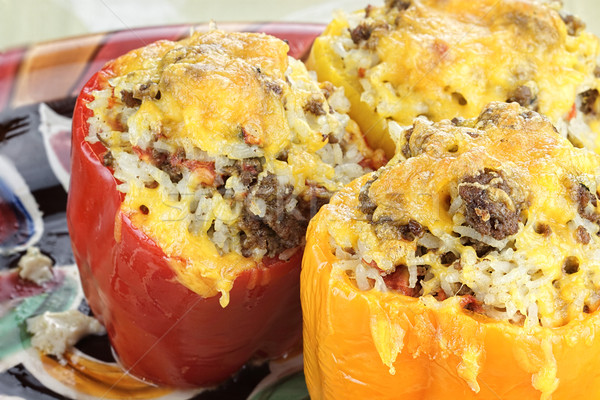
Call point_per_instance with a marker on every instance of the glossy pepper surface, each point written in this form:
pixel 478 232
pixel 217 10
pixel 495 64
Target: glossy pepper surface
pixel 162 331
pixel 376 345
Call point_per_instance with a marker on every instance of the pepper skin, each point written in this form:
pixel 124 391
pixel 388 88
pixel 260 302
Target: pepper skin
pixel 330 68
pixel 160 330
pixel 375 345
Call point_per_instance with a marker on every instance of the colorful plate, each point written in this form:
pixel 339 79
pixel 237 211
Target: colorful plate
pixel 38 87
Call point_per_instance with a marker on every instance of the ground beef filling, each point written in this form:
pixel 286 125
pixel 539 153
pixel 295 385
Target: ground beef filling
pixel 489 207
pixel 588 101
pixel 360 33
pixel 285 216
pixel 524 96
pixel 586 203
pixel 574 25
pixel 387 228
pixel 247 169
pixel 492 206
pixel 365 204
pixel 283 224
pixel 401 5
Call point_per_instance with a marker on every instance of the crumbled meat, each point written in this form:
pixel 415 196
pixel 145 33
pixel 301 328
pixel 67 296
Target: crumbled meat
pixel 421 250
pixel 583 197
pixel 247 170
pixel 457 121
pixel 274 87
pixel 543 229
pixel 148 89
pixel 588 101
pixel 488 117
pixel 489 216
pixel 387 227
pixel 327 89
pixel 457 265
pixel 361 32
pixel 448 258
pixel 312 200
pixel 315 107
pixel 172 166
pixel 524 96
pixel 582 235
pixel 574 24
pixel 279 229
pixel 401 5
pixel 365 204
pixel 332 138
pixel 406 147
pixel 288 228
pixel 481 249
pixel 257 235
pixel 144 209
pixel 283 156
pixel 165 162
pixel 464 290
pixel 411 230
pixel 571 265
pixel 459 98
pixel 174 172
pixel 108 159
pixel 529 114
pixel 128 99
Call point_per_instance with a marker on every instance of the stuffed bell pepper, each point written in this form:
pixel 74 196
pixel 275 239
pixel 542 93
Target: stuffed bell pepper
pixel 468 270
pixel 444 59
pixel 196 167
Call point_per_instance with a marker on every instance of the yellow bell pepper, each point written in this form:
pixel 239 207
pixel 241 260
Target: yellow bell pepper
pixel 329 67
pixel 446 59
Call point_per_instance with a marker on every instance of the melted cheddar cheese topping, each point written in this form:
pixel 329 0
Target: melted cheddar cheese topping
pixel 191 124
pixel 446 59
pixel 499 209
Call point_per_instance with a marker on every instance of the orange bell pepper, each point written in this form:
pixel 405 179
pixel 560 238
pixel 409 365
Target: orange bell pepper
pixel 376 345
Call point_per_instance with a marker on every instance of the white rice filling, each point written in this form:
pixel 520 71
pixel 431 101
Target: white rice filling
pixel 509 286
pixel 210 211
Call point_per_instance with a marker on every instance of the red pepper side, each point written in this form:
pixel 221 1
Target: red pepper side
pixel 162 331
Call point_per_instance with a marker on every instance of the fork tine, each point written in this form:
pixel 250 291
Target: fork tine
pixel 14 127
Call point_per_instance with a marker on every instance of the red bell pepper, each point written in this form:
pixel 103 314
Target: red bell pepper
pixel 162 331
